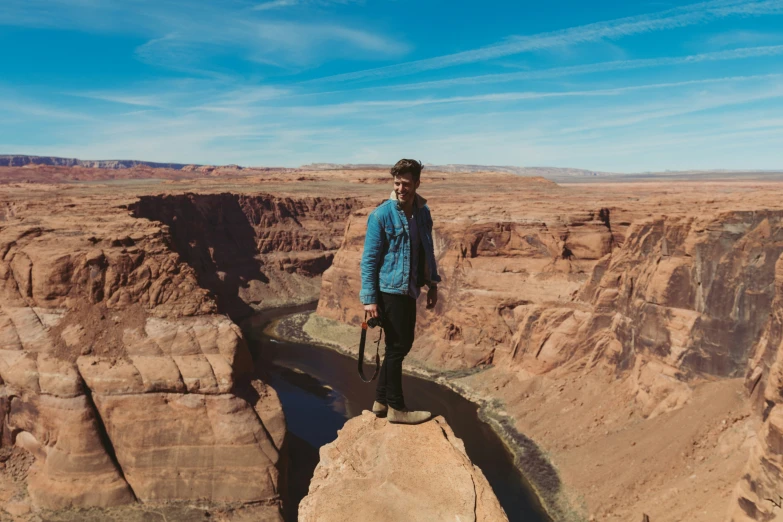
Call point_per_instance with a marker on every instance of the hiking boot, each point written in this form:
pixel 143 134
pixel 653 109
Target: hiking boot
pixel 408 417
pixel 379 409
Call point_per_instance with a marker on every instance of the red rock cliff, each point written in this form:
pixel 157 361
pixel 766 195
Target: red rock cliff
pixel 119 372
pixel 252 250
pixel 644 304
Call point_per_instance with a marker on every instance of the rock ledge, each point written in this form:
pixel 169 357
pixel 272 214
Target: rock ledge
pixel 384 472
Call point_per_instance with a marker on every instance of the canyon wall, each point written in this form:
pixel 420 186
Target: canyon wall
pixel 258 250
pixel 120 372
pixel 630 333
pixel 642 305
pixel 690 293
pixel 759 495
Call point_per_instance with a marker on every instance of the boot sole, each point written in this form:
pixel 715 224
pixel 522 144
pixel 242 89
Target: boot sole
pixel 409 423
pixel 380 414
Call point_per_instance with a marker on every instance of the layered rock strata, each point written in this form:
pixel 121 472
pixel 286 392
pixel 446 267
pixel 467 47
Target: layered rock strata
pixel 759 495
pixel 253 250
pixel 382 472
pixel 643 304
pixel 620 328
pixel 119 372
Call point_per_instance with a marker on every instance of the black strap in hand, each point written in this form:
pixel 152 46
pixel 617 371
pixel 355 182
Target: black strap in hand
pixel 377 352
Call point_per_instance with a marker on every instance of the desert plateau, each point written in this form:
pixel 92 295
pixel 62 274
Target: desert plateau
pixel 622 338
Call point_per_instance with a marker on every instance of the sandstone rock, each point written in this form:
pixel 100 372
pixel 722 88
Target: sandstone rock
pixel 189 446
pixel 643 301
pixel 589 314
pixel 378 471
pixel 9 338
pixel 266 406
pixel 225 237
pixel 108 376
pixel 222 371
pixel 760 488
pixel 97 310
pixel 72 335
pixel 19 370
pixel 197 373
pixel 159 374
pixel 31 331
pixel 58 377
pixel 72 467
pixel 17 509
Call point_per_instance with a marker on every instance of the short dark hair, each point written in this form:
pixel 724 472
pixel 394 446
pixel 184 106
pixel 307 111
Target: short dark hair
pixel 407 166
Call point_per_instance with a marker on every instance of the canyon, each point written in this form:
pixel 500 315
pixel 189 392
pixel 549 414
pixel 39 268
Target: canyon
pixel 624 338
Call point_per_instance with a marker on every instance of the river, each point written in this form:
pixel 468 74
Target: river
pixel 320 390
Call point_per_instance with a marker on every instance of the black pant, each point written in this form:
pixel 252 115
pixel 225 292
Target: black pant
pixel 398 313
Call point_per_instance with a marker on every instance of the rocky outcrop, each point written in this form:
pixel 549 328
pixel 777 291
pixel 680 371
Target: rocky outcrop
pixel 385 472
pixel 645 302
pixel 691 293
pixel 611 325
pixel 490 269
pixel 252 250
pixel 758 495
pixel 118 374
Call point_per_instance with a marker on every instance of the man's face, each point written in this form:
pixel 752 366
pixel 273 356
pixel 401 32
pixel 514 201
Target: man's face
pixel 405 188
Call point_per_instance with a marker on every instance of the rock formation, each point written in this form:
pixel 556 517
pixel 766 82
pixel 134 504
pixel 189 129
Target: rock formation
pixel 385 472
pixel 20 160
pixel 643 303
pixel 759 493
pixel 630 332
pixel 120 374
pixel 253 250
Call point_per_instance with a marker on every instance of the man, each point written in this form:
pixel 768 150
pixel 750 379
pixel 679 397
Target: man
pixel 398 259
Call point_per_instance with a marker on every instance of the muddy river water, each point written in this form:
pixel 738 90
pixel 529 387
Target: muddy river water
pixel 320 390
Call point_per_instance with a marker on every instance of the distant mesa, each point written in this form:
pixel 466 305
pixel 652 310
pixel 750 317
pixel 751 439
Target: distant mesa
pixel 523 171
pixel 52 161
pixel 47 170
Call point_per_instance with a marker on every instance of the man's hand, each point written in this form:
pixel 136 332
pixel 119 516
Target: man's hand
pixel 371 310
pixel 432 297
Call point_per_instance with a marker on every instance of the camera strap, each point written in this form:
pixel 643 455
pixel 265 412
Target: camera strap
pixel 377 352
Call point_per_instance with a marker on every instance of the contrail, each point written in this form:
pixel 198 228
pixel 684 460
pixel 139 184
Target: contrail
pixel 609 30
pixel 619 65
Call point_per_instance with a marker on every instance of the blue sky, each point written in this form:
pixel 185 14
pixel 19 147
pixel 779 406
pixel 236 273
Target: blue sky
pixel 615 86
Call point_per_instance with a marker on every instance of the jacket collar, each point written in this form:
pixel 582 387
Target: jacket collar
pixel 420 201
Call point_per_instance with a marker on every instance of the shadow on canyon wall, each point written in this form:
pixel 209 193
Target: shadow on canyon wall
pixel 212 234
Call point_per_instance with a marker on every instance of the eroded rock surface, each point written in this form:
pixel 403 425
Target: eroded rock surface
pixel 758 495
pixel 253 250
pixel 630 331
pixel 119 375
pixel 598 316
pixel 385 472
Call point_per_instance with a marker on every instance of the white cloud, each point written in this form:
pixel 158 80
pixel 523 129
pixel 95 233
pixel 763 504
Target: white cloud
pixel 186 34
pixel 123 99
pixel 279 43
pixel 255 121
pixel 13 103
pixel 618 65
pixel 508 97
pixel 609 30
pixel 275 4
pixel 742 38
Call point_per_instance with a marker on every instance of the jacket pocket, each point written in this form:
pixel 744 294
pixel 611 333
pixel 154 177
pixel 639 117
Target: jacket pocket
pixel 395 237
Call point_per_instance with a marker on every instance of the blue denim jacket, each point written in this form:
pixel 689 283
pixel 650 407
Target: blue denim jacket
pixel 387 251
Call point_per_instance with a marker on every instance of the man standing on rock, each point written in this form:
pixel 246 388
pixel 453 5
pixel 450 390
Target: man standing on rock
pixel 398 259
